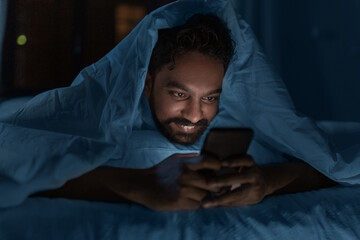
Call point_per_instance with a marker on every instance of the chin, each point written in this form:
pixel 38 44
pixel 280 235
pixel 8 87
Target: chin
pixel 180 137
pixel 185 139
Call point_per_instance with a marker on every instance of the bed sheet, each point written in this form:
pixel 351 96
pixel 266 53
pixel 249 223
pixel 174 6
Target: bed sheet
pixel 106 96
pixel 332 213
pixel 66 132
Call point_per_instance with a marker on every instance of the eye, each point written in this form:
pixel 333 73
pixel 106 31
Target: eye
pixel 211 99
pixel 178 94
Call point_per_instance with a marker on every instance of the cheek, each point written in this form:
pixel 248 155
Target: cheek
pixel 167 108
pixel 210 111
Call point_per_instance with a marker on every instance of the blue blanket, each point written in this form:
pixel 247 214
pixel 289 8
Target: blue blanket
pixel 332 213
pixel 99 119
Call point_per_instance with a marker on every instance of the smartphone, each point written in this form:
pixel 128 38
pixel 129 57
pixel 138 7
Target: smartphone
pixel 224 143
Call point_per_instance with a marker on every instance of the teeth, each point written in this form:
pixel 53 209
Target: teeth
pixel 188 127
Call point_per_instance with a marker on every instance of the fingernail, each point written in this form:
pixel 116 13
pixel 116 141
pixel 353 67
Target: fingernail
pixel 212 184
pixel 206 205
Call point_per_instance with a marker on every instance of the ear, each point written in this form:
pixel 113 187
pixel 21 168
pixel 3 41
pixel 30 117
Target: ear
pixel 148 85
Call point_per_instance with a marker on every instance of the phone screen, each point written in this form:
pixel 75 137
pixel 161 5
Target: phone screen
pixel 227 142
pixel 224 143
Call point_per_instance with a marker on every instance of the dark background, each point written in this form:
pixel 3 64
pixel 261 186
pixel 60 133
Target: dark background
pixel 313 44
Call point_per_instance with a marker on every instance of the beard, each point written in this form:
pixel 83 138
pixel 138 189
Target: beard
pixel 174 136
pixel 181 137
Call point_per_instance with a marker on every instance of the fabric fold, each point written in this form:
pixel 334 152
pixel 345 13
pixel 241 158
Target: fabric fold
pixel 63 133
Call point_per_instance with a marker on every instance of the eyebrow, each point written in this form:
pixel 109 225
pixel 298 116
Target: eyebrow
pixel 177 85
pixel 184 88
pixel 215 91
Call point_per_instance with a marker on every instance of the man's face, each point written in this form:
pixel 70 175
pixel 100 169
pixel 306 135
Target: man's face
pixel 185 98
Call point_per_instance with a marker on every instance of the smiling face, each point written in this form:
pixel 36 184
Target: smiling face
pixel 184 97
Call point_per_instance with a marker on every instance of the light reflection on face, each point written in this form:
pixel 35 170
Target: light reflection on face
pixel 184 98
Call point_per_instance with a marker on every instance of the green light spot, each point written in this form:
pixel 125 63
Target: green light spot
pixel 21 40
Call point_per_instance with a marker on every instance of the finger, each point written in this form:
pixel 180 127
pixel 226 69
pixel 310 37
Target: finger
pixel 196 179
pixel 188 204
pixel 233 179
pixel 233 198
pixel 207 163
pixel 186 155
pixel 248 195
pixel 180 204
pixel 245 195
pixel 239 161
pixel 192 193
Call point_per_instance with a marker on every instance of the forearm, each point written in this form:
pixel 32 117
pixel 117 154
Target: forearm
pixel 141 186
pixel 294 177
pixel 95 185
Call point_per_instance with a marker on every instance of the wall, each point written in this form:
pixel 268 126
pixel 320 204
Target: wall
pixel 3 11
pixel 315 46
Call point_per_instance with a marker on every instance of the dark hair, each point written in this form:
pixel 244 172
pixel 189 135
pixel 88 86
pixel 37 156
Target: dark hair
pixel 206 34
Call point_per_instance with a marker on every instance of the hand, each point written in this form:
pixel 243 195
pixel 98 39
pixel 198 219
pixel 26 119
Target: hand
pixel 171 185
pixel 251 179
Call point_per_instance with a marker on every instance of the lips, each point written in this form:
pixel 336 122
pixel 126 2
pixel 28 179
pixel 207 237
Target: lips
pixel 186 128
pixel 181 130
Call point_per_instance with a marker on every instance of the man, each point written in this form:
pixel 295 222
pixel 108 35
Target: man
pixel 183 87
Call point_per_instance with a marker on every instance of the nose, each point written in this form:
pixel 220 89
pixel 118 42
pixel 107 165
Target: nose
pixel 192 111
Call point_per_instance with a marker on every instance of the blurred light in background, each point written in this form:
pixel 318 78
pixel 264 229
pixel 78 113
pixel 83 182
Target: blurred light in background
pixel 126 17
pixel 21 40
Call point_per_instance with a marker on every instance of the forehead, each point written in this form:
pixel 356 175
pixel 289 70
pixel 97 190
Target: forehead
pixel 193 70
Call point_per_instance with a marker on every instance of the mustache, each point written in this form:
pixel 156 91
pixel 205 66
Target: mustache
pixel 183 121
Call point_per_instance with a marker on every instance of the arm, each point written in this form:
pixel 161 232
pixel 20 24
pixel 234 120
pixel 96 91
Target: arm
pixel 258 182
pixel 140 186
pixel 94 186
pixel 294 177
